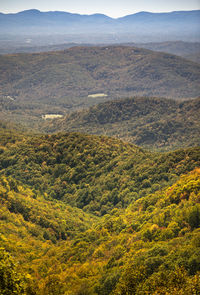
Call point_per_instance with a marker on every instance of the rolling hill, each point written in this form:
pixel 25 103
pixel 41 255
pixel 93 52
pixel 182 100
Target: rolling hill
pixel 33 85
pixel 87 171
pixel 148 122
pixel 93 215
pixel 188 50
pixel 114 70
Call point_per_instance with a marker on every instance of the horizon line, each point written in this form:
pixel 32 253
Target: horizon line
pixel 98 13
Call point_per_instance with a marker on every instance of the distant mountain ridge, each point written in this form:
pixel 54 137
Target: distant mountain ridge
pixel 188 50
pixel 184 24
pixel 141 16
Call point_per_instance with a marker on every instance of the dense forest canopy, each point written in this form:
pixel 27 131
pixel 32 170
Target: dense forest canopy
pixel 85 214
pixel 153 123
pixel 90 172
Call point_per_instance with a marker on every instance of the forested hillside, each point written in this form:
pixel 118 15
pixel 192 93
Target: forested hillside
pixel 94 173
pixel 112 70
pixel 188 50
pixel 92 215
pixel 35 85
pixel 148 122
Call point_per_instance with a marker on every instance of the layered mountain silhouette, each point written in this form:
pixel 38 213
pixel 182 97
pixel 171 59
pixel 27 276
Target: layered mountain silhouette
pixel 182 24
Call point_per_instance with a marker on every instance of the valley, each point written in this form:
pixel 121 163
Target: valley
pixel 96 215
pixel 99 153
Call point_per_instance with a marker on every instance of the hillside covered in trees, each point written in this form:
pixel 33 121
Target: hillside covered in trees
pixel 79 71
pixel 188 50
pixel 57 81
pixel 90 172
pixel 61 82
pixel 83 214
pixel 148 122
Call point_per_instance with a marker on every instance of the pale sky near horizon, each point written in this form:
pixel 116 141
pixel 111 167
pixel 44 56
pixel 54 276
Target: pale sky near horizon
pixel 112 8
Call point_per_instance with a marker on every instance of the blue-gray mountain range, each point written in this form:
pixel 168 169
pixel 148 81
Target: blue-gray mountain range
pixel 177 25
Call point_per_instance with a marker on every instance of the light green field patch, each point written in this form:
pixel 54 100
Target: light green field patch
pixel 97 95
pixel 9 97
pixel 51 116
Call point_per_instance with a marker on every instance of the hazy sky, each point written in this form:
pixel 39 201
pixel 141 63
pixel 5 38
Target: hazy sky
pixel 113 8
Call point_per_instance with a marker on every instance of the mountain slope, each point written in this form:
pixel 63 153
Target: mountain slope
pixel 140 233
pixel 31 227
pixel 152 246
pixel 148 122
pixel 188 50
pixel 33 85
pixel 93 173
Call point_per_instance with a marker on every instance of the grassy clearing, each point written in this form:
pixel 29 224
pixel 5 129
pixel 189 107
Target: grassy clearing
pixel 97 95
pixel 51 116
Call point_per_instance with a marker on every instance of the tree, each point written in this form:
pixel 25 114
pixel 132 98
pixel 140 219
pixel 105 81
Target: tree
pixel 11 282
